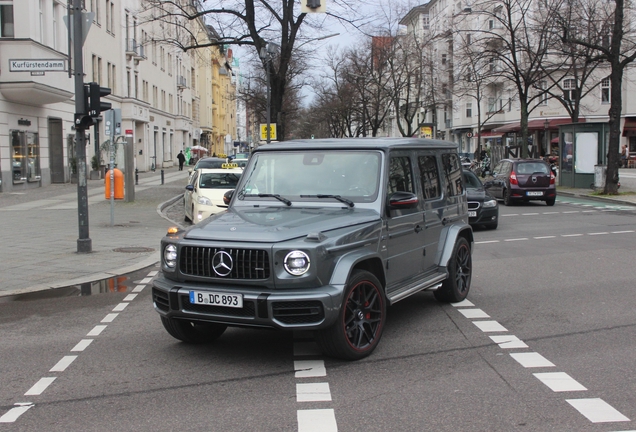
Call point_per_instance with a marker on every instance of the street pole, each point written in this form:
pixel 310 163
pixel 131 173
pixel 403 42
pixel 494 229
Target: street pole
pixel 84 243
pixel 269 97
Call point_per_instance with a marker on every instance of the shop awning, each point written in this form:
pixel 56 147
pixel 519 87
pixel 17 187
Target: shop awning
pixel 489 133
pixel 536 124
pixel 629 128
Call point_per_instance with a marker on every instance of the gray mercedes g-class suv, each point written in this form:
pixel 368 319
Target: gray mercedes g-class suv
pixel 322 235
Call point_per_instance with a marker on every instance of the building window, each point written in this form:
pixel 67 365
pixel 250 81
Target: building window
pixel 469 109
pixel 468 39
pixel 6 21
pixel 605 90
pixel 443 59
pixel 425 22
pixel 543 96
pixel 569 87
pixel 492 104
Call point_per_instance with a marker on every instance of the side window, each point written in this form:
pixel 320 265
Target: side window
pixel 452 174
pixel 498 168
pixel 400 175
pixel 429 176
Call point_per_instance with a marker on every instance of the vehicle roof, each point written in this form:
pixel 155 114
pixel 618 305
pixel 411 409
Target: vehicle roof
pixel 523 160
pixel 357 144
pixel 220 170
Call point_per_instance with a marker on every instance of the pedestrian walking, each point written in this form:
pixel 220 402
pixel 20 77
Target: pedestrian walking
pixel 181 159
pixel 624 153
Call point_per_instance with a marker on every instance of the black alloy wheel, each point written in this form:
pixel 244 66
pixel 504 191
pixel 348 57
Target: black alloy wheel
pixel 360 323
pixel 455 288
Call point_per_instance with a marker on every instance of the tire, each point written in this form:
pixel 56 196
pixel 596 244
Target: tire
pixel 360 322
pixel 194 332
pixel 550 202
pixel 506 198
pixel 455 288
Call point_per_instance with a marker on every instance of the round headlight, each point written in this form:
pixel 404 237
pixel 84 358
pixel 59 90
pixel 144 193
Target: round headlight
pixel 296 263
pixel 170 256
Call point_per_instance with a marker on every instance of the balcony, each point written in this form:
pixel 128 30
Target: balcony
pixel 181 82
pixel 135 50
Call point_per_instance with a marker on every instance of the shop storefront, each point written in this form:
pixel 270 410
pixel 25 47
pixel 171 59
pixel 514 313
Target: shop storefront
pixel 24 150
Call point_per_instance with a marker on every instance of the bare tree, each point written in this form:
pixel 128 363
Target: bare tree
pixel 253 24
pixel 517 39
pixel 615 42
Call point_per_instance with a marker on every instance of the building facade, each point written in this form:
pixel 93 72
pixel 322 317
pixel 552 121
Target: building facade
pixel 167 96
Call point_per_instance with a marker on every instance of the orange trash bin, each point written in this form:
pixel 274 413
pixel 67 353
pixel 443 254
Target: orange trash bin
pixel 119 184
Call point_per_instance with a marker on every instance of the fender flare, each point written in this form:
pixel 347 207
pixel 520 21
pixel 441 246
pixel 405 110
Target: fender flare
pixel 347 262
pixel 455 231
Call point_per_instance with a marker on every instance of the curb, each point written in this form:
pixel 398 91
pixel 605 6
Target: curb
pixel 595 198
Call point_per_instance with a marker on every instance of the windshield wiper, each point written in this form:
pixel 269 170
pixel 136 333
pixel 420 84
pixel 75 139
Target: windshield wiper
pixel 337 197
pixel 264 195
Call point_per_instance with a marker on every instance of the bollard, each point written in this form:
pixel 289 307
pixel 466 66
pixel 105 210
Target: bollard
pixel 161 176
pixel 136 176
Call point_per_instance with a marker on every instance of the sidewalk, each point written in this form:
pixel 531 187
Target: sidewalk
pixel 41 231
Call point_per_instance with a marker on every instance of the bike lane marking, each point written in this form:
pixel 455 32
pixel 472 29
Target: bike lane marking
pixel 595 410
pixel 42 384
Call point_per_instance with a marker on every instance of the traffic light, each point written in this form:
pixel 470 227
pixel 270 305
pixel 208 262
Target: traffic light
pixel 93 94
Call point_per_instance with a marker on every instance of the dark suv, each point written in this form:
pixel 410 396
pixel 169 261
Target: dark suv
pixel 522 180
pixel 322 235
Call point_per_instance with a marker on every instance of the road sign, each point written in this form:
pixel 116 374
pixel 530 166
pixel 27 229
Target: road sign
pixel 37 65
pixel 272 132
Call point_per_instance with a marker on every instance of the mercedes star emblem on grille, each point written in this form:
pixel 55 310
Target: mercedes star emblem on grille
pixel 222 263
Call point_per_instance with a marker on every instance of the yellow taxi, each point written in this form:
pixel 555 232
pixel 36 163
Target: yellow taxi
pixel 204 193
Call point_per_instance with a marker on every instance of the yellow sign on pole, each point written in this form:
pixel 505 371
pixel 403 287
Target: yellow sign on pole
pixel 426 132
pixel 272 132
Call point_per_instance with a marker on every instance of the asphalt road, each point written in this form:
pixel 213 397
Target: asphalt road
pixel 558 279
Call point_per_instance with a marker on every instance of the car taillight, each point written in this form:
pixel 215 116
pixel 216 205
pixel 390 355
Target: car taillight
pixel 552 178
pixel 513 178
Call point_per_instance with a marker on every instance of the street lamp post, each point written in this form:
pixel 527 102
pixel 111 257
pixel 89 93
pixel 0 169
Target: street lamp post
pixel 266 54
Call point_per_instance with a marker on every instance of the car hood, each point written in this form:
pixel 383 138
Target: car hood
pixel 275 224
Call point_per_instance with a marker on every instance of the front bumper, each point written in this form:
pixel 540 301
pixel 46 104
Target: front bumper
pixel 485 216
pixel 307 309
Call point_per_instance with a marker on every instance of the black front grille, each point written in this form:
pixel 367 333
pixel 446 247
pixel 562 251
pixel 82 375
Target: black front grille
pixel 247 311
pixel 246 263
pixel 298 312
pixel 473 205
pixel 161 300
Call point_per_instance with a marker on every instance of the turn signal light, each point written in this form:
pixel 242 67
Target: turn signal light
pixel 552 178
pixel 173 230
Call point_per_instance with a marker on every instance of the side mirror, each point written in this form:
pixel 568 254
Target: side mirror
pixel 190 187
pixel 227 197
pixel 189 170
pixel 403 200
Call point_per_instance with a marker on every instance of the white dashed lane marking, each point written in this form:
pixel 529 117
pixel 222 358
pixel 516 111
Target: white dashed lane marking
pixel 597 410
pixel 313 392
pixel 594 409
pixel 531 360
pixel 40 386
pixel 63 364
pixel 554 236
pixel 317 420
pixel 559 381
pixel 310 368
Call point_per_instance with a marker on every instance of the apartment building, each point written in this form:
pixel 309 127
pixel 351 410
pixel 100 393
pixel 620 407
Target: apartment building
pixel 164 93
pixel 491 107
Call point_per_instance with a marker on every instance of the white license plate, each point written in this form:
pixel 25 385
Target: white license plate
pixel 472 214
pixel 216 299
pixel 535 193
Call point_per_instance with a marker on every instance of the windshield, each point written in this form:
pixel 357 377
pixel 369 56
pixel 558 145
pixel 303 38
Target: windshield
pixel 218 180
pixel 303 176
pixel 471 181
pixel 532 168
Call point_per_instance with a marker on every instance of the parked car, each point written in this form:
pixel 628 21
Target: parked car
pixel 522 180
pixel 242 163
pixel 204 192
pixel 483 208
pixel 322 235
pixel 208 162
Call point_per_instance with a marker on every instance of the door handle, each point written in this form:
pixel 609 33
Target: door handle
pixel 418 228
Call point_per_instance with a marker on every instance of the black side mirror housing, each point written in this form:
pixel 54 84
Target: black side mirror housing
pixel 403 200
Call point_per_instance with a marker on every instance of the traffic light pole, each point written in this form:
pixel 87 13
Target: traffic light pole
pixel 84 243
